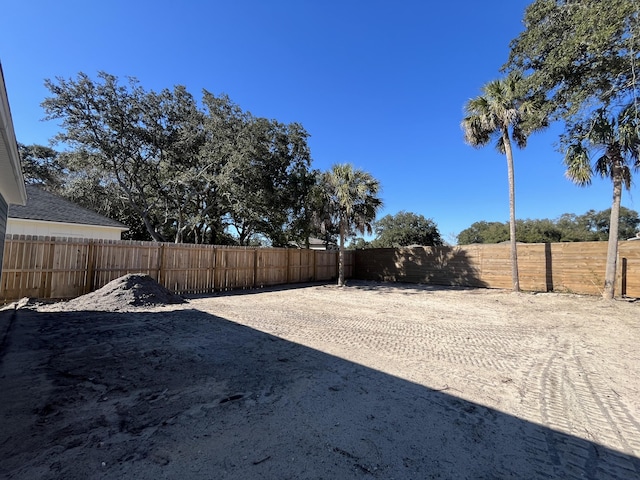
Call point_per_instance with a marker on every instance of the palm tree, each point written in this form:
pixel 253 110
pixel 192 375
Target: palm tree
pixel 503 113
pixel 618 142
pixel 351 203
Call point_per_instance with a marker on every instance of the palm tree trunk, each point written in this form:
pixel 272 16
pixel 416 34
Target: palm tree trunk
pixel 341 254
pixel 612 246
pixel 512 211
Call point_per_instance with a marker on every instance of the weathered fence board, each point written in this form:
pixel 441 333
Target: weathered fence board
pixel 560 267
pixel 271 267
pixel 301 265
pixel 326 266
pixel 45 267
pixel 629 268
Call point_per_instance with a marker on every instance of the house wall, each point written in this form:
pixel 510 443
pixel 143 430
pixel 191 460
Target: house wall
pixel 17 226
pixel 3 226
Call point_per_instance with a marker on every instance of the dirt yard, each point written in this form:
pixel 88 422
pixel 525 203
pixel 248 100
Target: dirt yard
pixel 320 382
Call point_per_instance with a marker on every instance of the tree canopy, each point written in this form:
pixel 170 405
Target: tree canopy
pixel 351 201
pixel 41 166
pixel 404 229
pixel 183 170
pixel 506 113
pixel 589 227
pixel 579 53
pixel 582 55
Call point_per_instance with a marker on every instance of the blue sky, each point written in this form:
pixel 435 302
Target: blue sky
pixel 379 84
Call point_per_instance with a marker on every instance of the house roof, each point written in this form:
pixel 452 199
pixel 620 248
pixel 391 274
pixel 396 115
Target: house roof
pixel 48 207
pixel 11 180
pixel 314 243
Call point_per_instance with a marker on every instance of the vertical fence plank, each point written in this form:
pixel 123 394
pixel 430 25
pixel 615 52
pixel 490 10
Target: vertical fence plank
pixel 629 253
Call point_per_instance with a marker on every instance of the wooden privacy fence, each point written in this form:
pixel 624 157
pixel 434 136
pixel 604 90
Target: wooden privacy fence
pixel 46 267
pixel 62 268
pixel 543 267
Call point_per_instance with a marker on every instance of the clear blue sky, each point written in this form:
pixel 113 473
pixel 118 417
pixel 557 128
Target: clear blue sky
pixel 379 84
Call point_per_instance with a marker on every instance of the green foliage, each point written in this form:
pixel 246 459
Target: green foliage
pixel 359 243
pixel 349 201
pixel 594 226
pixel 506 112
pixel 404 229
pixel 615 141
pixel 579 52
pixel 589 227
pixel 619 139
pixel 582 55
pixel 484 232
pixel 41 166
pixel 268 181
pixel 537 231
pixel 181 171
pixel 131 136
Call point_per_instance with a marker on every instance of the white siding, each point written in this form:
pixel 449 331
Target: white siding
pixel 3 226
pixel 18 226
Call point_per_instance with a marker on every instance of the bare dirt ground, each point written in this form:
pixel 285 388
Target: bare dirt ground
pixel 320 382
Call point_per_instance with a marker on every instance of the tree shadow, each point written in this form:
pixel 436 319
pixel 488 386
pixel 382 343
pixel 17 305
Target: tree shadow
pixel 185 394
pixel 431 265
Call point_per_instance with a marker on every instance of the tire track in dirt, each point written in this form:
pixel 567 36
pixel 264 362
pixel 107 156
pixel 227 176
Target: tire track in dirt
pixel 579 416
pixel 483 347
pixel 578 426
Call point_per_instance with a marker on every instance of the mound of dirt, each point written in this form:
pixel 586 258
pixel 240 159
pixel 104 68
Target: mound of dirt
pixel 131 290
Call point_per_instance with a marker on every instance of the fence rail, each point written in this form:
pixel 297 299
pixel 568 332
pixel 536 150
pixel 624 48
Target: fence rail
pixel 544 267
pixel 62 268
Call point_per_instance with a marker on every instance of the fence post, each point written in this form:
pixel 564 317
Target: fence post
pixel 288 266
pixel 161 264
pixel 218 270
pixel 89 285
pixel 212 273
pixel 255 268
pixel 314 270
pixel 623 277
pixel 48 277
pixel 548 266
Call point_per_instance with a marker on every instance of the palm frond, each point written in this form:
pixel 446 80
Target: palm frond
pixel 603 165
pixel 519 136
pixel 625 174
pixel 602 130
pixel 578 165
pixel 475 132
pixel 629 133
pixel 500 145
pixel 504 103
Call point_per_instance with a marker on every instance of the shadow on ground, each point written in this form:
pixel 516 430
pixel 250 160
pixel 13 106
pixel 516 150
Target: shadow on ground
pixel 184 394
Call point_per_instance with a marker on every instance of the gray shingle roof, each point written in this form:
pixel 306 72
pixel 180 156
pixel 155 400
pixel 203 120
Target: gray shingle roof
pixel 45 206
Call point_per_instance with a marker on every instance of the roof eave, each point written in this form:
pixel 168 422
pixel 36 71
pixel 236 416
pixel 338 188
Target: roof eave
pixel 11 185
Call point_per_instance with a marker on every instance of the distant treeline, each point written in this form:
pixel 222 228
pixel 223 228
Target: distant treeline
pixel 589 227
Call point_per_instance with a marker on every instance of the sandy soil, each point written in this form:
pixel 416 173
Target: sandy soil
pixel 320 382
